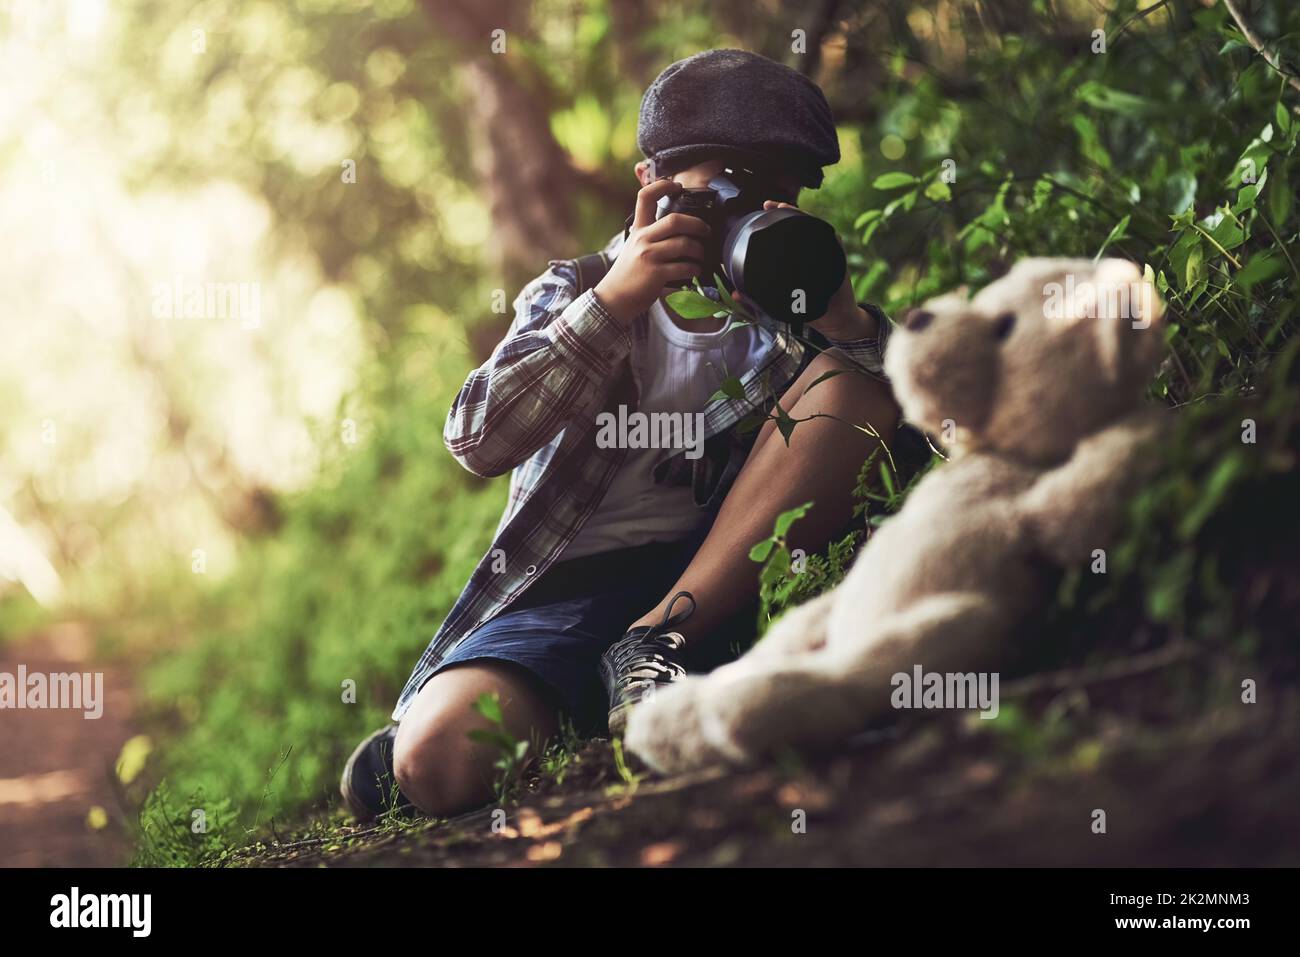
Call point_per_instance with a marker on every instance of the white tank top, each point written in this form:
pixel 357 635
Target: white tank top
pixel 678 371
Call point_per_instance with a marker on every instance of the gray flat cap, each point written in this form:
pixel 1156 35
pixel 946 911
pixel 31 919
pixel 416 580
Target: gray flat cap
pixel 743 106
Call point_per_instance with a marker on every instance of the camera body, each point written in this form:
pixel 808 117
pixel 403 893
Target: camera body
pixel 787 263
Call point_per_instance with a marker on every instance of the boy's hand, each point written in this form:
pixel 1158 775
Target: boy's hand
pixel 654 255
pixel 845 320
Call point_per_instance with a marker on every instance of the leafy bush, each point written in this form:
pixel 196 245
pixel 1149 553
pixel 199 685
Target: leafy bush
pixel 1057 152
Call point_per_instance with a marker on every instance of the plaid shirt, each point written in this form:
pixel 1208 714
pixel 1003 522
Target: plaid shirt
pixel 532 408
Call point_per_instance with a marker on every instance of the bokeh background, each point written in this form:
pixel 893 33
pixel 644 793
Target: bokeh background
pixel 236 514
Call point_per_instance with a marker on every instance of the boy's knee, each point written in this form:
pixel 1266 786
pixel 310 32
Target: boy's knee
pixel 852 394
pixel 433 771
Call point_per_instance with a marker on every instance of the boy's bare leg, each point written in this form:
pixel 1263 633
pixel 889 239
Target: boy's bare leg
pixel 435 763
pixel 820 466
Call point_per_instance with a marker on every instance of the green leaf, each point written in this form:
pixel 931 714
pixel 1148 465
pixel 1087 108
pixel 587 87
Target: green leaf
pixel 938 191
pixel 1263 266
pixel 1122 102
pixel 1213 492
pixel 1180 251
pixel 751 422
pixel 1165 598
pixel 489 706
pixel 867 217
pixel 777 567
pixel 785 425
pixel 1090 141
pixel 1281 199
pixel 725 296
pixel 894 180
pixel 1228 233
pixel 887 480
pixel 1178 193
pixel 760 551
pixel 691 305
pixel 1115 234
pixel 788 518
pixel 830 374
pixel 132 759
pixel 731 388
pixel 864 286
pixel 1246 197
pixel 1195 266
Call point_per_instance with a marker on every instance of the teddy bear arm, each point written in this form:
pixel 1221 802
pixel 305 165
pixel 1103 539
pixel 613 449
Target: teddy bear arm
pixel 1074 508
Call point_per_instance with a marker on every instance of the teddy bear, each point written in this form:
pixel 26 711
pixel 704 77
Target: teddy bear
pixel 1036 387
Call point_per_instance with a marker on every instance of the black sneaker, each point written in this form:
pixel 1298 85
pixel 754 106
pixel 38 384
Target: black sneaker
pixel 642 661
pixel 368 786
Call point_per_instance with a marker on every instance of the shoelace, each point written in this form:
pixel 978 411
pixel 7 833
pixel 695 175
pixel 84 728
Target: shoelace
pixel 638 661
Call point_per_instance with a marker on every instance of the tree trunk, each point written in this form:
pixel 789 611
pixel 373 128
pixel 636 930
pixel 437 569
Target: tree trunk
pixel 529 179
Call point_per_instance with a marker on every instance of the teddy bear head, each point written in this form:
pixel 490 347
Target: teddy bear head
pixel 1037 360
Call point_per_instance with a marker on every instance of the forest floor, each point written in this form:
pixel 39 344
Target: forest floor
pixel 1183 779
pixel 1215 785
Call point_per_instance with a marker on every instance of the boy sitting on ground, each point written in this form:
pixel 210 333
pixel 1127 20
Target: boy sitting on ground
pixel 614 569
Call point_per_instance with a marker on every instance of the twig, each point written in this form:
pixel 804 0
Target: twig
pixel 312 841
pixel 1253 39
pixel 1127 668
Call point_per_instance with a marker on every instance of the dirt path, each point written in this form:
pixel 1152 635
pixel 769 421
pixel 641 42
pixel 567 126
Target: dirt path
pixel 55 765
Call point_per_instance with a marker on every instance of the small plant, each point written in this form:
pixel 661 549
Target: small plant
pixel 514 752
pixel 629 777
pixel 786 581
pixel 561 753
pixel 175 833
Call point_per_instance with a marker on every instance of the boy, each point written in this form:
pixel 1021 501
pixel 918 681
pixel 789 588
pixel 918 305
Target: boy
pixel 611 564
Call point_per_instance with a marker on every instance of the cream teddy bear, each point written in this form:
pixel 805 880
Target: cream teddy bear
pixel 1036 385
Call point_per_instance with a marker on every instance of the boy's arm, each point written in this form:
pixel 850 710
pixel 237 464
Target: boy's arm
pixel 554 364
pixel 557 361
pixel 861 334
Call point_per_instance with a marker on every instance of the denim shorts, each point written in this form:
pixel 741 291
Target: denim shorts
pixel 559 628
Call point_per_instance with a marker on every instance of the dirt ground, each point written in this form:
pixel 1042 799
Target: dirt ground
pixel 1184 777
pixel 1220 789
pixel 55 765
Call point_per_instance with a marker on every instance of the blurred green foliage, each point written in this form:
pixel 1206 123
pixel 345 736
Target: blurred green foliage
pixel 343 597
pixel 967 144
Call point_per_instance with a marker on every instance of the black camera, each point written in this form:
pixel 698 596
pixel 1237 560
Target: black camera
pixel 786 262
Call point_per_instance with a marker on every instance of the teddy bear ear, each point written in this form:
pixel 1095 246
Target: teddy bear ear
pixel 1126 305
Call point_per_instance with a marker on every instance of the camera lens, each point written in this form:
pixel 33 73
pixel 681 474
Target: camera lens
pixel 787 262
